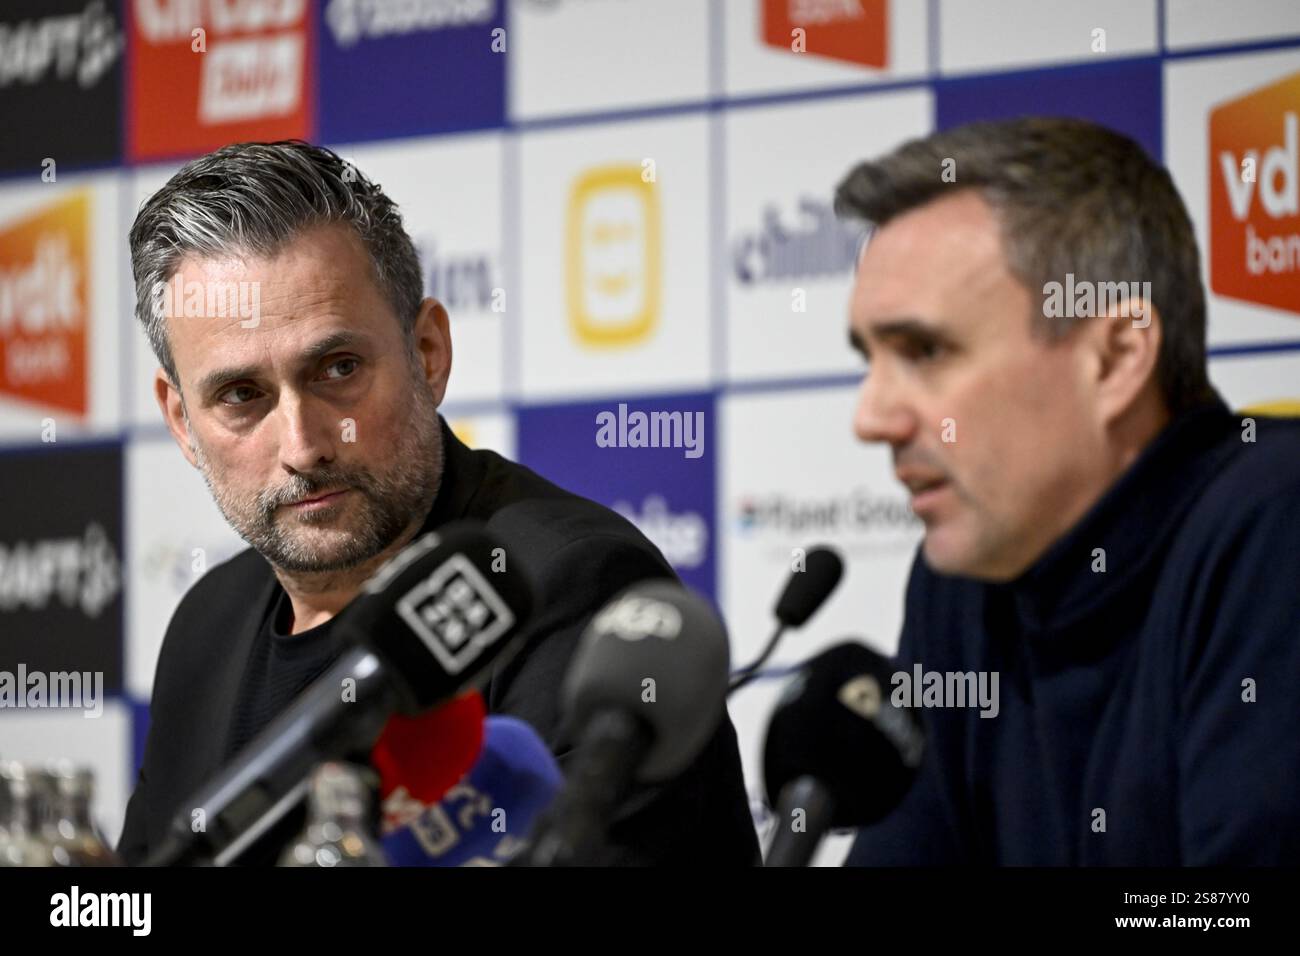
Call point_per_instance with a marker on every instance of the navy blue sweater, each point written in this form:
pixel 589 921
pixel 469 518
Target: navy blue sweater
pixel 1149 714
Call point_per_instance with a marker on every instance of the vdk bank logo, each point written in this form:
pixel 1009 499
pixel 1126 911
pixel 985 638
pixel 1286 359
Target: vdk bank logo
pixel 44 270
pixel 1255 196
pixel 613 257
pixel 854 31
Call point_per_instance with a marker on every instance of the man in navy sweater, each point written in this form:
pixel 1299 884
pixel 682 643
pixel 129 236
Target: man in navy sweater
pixel 1101 532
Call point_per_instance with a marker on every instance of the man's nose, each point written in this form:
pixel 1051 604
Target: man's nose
pixel 308 430
pixel 881 415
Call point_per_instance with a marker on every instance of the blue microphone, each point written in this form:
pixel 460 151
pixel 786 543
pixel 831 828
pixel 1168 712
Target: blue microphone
pixel 484 820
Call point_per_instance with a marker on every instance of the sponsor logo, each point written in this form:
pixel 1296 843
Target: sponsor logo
pixel 862 696
pixel 634 618
pixel 815 246
pixel 209 72
pixel 860 511
pixel 80 573
pixel 1255 196
pixel 851 31
pixel 612 257
pixel 78 47
pixel 682 537
pixel 463 283
pixel 177 567
pixel 351 21
pixel 456 613
pixel 44 288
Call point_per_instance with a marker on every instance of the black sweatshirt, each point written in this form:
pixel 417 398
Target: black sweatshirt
pixel 1147 712
pixel 224 672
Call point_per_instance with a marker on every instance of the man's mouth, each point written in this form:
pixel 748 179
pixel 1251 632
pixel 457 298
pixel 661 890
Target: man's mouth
pixel 319 501
pixel 926 487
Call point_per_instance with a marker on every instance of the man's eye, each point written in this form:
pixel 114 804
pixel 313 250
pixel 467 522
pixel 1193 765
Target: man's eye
pixel 922 351
pixel 346 365
pixel 235 391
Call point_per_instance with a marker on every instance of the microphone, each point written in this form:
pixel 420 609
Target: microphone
pixel 420 758
pixel 804 593
pixel 645 691
pixel 838 752
pixel 428 626
pixel 482 820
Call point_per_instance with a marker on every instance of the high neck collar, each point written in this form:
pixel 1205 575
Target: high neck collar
pixel 1130 522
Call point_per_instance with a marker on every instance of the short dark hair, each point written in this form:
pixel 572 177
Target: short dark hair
pixel 1072 197
pixel 253 198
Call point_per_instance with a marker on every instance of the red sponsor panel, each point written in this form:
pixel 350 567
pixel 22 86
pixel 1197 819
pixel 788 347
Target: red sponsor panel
pixel 44 306
pixel 204 73
pixel 855 31
pixel 1254 178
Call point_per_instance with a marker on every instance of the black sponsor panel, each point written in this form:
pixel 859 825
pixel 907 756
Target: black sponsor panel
pixel 61 562
pixel 60 83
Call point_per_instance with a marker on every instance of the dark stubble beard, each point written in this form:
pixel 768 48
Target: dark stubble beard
pixel 385 503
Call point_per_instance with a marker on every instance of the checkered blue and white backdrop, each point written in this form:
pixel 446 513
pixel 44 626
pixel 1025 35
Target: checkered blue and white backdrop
pixel 621 203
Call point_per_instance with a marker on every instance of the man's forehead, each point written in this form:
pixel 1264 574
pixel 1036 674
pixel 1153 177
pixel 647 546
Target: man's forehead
pixel 939 254
pixel 244 311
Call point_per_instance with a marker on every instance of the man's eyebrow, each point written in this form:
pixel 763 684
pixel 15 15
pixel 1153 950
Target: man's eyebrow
pixel 313 352
pixel 905 326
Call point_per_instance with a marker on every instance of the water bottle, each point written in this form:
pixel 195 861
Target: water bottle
pixel 340 820
pixel 70 829
pixel 22 844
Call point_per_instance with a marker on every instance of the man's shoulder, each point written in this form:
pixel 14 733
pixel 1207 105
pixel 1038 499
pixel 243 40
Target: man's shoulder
pixel 1260 476
pixel 217 602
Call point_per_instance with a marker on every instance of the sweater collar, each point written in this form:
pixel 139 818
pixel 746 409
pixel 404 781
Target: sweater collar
pixel 1130 523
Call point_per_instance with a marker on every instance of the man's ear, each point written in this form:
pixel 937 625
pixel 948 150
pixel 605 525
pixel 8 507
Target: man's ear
pixel 169 400
pixel 431 337
pixel 1126 345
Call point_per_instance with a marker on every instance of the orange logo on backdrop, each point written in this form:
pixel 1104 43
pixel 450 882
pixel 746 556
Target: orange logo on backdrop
pixel 1255 196
pixel 44 292
pixel 852 30
pixel 251 82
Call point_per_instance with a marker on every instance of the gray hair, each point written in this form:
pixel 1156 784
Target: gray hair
pixel 252 199
pixel 1071 197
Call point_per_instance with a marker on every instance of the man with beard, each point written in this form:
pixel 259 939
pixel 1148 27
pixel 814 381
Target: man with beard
pixel 313 418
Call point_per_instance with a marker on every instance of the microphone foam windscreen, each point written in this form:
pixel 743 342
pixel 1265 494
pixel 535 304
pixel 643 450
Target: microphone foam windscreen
pixel 486 817
pixel 808 589
pixel 423 756
pixel 659 652
pixel 835 722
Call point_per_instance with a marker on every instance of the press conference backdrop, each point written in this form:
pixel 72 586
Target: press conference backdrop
pixel 626 207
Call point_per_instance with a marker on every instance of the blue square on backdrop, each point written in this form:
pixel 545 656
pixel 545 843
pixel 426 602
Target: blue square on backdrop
pixel 1125 95
pixel 380 79
pixel 668 492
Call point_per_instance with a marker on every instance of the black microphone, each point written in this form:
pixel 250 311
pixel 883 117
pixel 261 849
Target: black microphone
pixel 644 694
pixel 804 593
pixel 425 628
pixel 838 752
